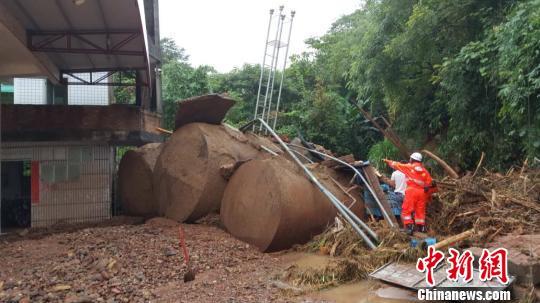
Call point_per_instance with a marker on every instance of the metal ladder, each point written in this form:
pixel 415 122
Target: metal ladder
pixel 269 66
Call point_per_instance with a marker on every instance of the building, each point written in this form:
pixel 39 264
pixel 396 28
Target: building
pixel 66 67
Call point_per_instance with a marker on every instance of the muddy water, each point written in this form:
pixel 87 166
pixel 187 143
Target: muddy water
pixel 363 291
pixel 307 260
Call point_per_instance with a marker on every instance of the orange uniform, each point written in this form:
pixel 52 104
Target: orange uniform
pixel 416 197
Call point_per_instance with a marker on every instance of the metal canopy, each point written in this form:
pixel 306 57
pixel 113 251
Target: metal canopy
pixel 85 35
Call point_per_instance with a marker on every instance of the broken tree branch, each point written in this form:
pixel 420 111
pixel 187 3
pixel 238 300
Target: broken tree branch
pixel 387 132
pixel 479 164
pixel 449 170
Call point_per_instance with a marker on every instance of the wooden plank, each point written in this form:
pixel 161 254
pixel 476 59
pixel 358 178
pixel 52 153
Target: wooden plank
pixel 371 176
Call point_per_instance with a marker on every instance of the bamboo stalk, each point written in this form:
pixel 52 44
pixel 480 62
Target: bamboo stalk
pixel 164 131
pixel 454 239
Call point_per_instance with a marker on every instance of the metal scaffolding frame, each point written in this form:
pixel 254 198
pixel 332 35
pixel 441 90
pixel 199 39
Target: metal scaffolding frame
pixel 265 91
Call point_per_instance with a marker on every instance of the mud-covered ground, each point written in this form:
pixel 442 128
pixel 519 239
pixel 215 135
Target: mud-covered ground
pixel 136 263
pixel 128 260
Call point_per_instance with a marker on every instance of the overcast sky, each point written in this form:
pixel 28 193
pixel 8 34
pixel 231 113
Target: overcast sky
pixel 228 33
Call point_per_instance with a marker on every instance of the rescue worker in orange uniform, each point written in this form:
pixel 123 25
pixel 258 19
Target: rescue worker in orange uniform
pixel 420 187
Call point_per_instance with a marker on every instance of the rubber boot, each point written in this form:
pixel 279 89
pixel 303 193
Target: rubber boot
pixel 421 228
pixel 409 229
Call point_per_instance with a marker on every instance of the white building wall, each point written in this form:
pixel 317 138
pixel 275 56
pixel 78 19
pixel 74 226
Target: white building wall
pixel 88 94
pixel 29 91
pixel 34 91
pixel 75 180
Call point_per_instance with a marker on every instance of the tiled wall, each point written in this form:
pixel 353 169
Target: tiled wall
pixel 75 180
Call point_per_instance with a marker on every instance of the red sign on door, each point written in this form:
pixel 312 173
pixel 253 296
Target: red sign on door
pixel 34 182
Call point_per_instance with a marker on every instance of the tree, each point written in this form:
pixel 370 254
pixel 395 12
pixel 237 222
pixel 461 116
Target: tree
pixel 179 79
pixel 461 77
pixel 170 51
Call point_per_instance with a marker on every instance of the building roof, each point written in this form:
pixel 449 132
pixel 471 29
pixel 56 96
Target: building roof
pixel 83 35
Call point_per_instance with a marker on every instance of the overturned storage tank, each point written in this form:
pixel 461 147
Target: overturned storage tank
pixel 272 205
pixel 187 178
pixel 135 180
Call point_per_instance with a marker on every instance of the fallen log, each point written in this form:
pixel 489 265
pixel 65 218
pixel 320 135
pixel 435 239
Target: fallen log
pixel 449 170
pixel 271 205
pixel 187 177
pixel 135 180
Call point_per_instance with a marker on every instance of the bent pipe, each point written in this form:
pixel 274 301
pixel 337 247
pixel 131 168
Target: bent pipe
pixel 385 214
pixel 345 207
pixel 335 201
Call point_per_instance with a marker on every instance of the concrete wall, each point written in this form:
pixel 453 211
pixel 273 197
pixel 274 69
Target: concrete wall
pixel 75 180
pixel 118 124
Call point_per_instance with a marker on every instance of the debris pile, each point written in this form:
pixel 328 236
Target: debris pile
pixel 482 207
pixel 353 260
pixel 491 203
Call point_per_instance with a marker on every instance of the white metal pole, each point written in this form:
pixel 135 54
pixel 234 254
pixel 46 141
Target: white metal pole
pixel 283 71
pixel 262 66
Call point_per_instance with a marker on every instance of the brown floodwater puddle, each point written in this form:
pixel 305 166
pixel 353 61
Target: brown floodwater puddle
pixel 363 291
pixel 366 291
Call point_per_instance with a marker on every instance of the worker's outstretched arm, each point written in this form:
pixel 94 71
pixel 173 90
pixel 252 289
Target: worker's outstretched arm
pixel 396 165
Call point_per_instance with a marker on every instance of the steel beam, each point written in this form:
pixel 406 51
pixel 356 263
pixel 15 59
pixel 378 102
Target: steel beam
pixel 62 42
pixel 77 79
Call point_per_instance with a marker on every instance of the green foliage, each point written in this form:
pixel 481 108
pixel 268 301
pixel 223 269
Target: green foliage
pixel 382 150
pixel 124 94
pixel 491 90
pixel 461 76
pixel 170 51
pixel 241 84
pixel 179 79
pixel 121 151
